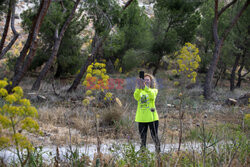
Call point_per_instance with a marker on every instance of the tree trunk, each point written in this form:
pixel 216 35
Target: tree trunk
pixel 240 70
pixel 219 42
pixel 58 71
pixel 31 45
pixel 16 35
pixel 157 64
pixel 232 78
pixel 211 70
pixel 58 41
pixel 97 44
pixel 6 28
pixel 92 57
pixel 221 73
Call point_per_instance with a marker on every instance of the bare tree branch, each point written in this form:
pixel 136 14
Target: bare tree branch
pixel 225 7
pixel 127 4
pixel 235 19
pixel 16 35
pixel 6 28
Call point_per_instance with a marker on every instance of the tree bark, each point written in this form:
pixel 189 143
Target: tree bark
pixel 6 28
pixel 57 44
pixel 24 51
pixel 91 58
pixel 240 70
pixel 219 42
pixel 16 35
pixel 30 45
pixel 221 73
pixel 211 70
pixel 232 78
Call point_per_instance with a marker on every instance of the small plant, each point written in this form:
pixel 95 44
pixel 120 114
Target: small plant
pixel 187 61
pixel 17 115
pixel 130 157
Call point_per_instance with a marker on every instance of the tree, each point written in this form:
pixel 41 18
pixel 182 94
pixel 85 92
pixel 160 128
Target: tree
pixel 10 17
pixel 175 23
pixel 105 15
pixel 57 42
pixel 132 35
pixel 241 36
pixel 219 40
pixel 27 54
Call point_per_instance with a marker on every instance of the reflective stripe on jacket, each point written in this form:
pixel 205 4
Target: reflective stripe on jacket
pixel 146 100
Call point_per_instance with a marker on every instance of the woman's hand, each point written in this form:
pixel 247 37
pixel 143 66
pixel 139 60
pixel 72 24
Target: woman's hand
pixel 140 83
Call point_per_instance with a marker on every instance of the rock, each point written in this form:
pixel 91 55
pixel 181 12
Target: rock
pixel 231 101
pixel 17 16
pixel 41 98
pixel 244 99
pixel 34 97
pixel 148 1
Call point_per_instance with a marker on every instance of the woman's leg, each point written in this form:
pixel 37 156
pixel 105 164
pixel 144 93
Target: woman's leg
pixel 154 133
pixel 143 129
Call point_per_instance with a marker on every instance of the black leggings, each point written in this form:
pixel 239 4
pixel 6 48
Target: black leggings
pixel 143 129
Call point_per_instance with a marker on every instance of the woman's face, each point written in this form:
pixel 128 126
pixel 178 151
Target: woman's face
pixel 147 81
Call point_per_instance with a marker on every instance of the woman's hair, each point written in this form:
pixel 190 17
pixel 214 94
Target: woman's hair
pixel 153 83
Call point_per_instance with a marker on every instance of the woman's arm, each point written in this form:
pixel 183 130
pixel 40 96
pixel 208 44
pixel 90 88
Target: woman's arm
pixel 137 94
pixel 152 93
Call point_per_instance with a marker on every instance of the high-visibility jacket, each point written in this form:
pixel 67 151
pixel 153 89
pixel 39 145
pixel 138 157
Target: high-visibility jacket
pixel 146 100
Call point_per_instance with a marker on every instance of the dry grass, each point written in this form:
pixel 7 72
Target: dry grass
pixel 59 113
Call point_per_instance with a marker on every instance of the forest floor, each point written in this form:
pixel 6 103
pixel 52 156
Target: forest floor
pixel 61 112
pixel 66 122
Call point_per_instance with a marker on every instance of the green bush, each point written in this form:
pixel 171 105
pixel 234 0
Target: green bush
pixel 11 60
pixel 134 58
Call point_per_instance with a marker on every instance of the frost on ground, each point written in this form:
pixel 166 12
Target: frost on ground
pixel 49 152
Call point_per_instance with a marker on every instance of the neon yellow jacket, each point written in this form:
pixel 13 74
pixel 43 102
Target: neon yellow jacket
pixel 146 100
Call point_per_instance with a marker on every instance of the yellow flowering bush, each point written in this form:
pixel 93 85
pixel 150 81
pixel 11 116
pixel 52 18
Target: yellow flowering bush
pixel 187 61
pixel 16 113
pixel 88 92
pixel 86 102
pixel 96 79
pixel 108 96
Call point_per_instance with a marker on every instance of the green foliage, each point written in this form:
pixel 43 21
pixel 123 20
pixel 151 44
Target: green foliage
pixel 16 113
pixel 75 158
pixel 177 19
pixel 131 157
pixel 134 58
pixel 69 58
pixel 136 25
pixel 36 157
pixel 11 60
pixel 104 14
pixel 3 8
pixel 234 43
pixel 132 33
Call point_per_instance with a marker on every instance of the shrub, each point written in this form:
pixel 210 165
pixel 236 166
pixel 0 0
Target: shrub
pixel 134 58
pixel 16 115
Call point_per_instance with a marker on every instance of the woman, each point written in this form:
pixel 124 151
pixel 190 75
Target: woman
pixel 146 114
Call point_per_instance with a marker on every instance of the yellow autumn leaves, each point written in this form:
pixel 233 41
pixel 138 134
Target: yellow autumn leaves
pixel 187 62
pixel 16 112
